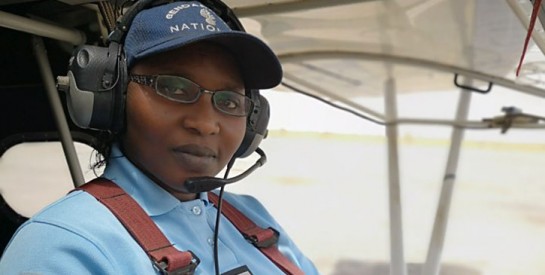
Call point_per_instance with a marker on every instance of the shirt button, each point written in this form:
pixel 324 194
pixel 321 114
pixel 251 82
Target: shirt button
pixel 210 241
pixel 196 210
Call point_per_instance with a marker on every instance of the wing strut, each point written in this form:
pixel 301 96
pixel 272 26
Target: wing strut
pixel 58 111
pixel 435 249
pixel 397 265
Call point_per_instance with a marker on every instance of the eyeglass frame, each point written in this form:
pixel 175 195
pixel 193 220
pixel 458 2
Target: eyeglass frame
pixel 150 81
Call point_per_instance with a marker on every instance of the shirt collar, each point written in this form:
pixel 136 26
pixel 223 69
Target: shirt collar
pixel 151 197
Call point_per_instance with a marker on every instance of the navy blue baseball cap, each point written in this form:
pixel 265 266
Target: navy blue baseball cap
pixel 171 26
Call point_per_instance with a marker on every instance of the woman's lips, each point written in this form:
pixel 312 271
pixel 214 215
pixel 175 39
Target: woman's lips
pixel 195 158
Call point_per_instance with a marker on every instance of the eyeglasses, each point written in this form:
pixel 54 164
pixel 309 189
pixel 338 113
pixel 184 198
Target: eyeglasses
pixel 183 90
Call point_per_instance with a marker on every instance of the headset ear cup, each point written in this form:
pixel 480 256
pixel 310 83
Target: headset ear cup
pixel 84 67
pixel 98 80
pixel 256 126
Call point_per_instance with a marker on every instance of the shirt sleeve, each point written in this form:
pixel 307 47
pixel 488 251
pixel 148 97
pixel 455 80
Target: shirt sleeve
pixel 42 248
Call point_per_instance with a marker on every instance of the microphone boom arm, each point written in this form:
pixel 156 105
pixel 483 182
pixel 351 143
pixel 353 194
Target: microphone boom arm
pixel 205 184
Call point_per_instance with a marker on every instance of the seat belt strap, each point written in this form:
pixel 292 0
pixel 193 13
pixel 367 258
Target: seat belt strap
pixel 263 239
pixel 165 257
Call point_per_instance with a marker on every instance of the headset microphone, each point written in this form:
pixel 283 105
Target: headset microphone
pixel 205 184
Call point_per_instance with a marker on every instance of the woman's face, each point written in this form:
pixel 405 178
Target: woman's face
pixel 173 141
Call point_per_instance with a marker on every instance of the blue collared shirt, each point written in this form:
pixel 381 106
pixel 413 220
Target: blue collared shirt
pixel 78 235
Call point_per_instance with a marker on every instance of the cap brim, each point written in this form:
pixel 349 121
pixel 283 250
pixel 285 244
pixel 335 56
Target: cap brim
pixel 258 64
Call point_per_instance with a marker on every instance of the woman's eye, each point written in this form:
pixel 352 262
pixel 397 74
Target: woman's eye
pixel 230 104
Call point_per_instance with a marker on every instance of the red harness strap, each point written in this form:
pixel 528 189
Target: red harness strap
pixel 166 258
pixel 264 239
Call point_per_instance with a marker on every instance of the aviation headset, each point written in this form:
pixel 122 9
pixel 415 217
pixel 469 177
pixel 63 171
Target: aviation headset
pixel 98 79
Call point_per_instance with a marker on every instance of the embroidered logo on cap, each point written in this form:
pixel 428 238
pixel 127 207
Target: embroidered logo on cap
pixel 210 19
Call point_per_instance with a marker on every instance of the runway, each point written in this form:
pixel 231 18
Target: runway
pixel 329 191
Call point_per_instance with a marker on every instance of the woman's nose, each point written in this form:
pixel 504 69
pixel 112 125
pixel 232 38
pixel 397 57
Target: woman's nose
pixel 202 117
